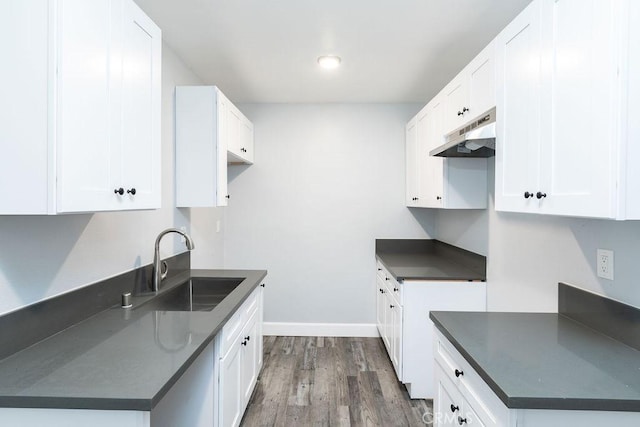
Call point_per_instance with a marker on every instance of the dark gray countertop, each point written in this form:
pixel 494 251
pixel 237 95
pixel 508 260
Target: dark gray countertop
pixel 118 359
pixel 545 360
pixel 426 259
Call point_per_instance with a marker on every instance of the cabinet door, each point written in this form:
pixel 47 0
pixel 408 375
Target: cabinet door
pixel 222 195
pixel 396 347
pixel 86 114
pixel 230 392
pixel 430 136
pixel 411 163
pixel 579 105
pixel 380 304
pixel 233 130
pixel 518 112
pixel 140 139
pixel 249 359
pixel 482 94
pixel 246 140
pixel 447 404
pixel 456 103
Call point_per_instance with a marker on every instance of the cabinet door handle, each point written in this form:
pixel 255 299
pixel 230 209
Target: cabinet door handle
pixel 395 289
pixel 462 420
pixel 464 110
pixel 540 195
pixel 262 285
pixel 247 338
pixel 438 198
pixel 119 191
pixel 386 278
pixel 132 191
pixel 391 306
pixel 458 373
pixel 527 194
pixel 228 196
pixel 243 343
pixel 379 269
pixel 454 408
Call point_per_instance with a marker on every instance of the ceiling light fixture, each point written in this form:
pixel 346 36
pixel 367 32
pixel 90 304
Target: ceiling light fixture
pixel 329 62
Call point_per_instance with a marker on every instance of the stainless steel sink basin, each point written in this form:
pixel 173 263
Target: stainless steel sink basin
pixel 196 294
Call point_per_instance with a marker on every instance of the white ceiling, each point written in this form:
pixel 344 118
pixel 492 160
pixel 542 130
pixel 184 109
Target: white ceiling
pixel 393 51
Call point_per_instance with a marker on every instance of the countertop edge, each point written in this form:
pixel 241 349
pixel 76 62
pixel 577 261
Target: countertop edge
pixel 449 278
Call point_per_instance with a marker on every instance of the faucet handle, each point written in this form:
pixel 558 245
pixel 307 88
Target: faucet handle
pixel 164 267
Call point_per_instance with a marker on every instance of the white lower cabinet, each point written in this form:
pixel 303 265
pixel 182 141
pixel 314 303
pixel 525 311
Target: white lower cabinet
pixel 402 312
pixel 238 361
pixel 463 398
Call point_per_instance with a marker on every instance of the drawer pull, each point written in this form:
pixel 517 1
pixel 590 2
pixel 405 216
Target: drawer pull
pixel 462 420
pixel 379 269
pixel 391 306
pixel 454 408
pixel 244 343
pixel 458 373
pixel 386 278
pixel 395 289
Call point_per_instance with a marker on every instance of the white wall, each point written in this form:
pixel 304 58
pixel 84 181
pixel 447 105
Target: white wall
pixel 45 256
pixel 529 254
pixel 328 180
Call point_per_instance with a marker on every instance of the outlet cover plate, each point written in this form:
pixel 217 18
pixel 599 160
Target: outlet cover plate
pixel 604 264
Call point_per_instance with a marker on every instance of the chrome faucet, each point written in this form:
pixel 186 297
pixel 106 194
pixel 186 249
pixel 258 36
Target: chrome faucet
pixel 158 266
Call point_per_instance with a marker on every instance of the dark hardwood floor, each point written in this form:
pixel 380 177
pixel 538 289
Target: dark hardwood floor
pixel 321 381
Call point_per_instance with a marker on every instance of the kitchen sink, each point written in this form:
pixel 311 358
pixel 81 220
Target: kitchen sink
pixel 196 294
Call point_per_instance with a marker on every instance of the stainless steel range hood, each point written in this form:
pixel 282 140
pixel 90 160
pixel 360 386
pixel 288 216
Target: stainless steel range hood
pixel 475 139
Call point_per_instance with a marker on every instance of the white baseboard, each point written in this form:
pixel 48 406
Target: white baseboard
pixel 320 329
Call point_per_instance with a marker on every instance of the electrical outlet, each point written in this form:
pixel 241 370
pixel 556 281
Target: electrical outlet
pixel 604 263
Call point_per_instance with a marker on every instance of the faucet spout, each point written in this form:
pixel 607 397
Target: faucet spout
pixel 158 273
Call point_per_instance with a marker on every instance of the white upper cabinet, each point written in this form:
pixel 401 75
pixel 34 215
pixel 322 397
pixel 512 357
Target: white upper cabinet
pixel 84 124
pixel 210 133
pixel 437 182
pixel 471 92
pixel 566 75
